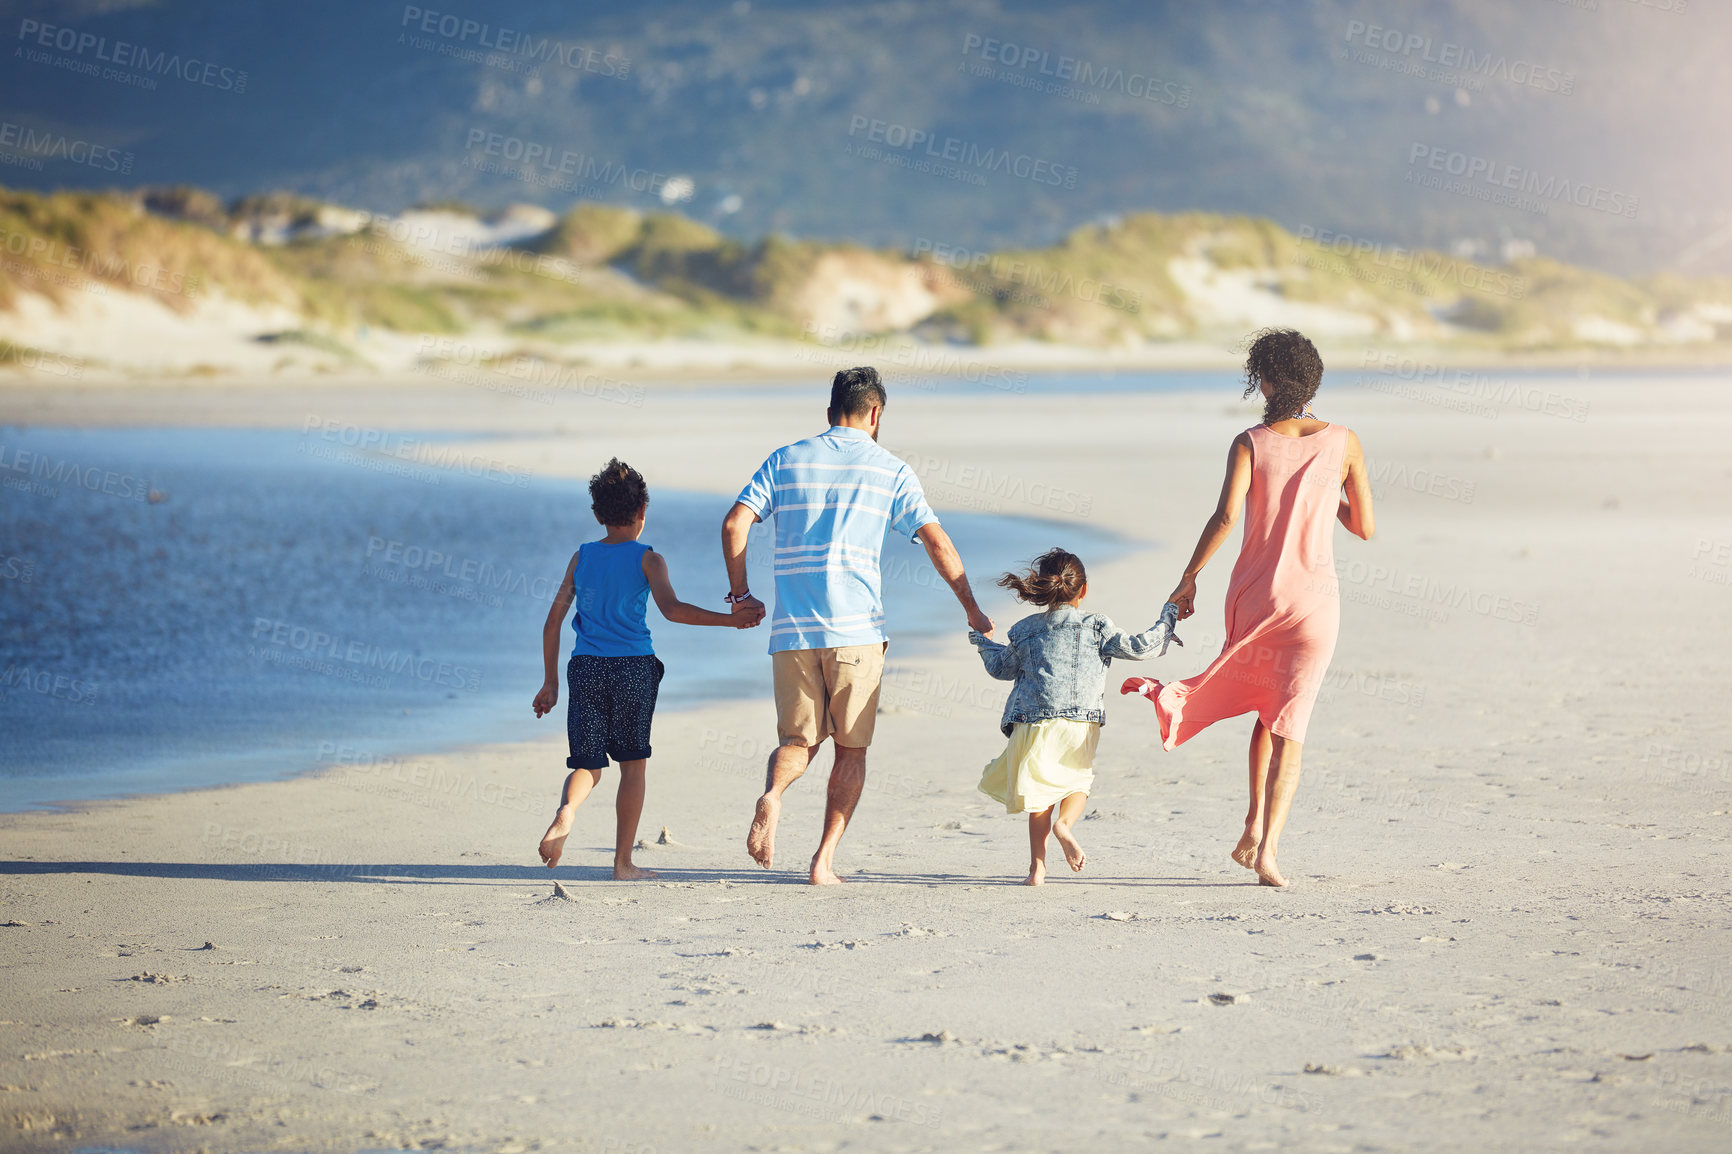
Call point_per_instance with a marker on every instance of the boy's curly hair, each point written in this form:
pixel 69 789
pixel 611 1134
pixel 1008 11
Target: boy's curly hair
pixel 1290 364
pixel 1055 578
pixel 617 493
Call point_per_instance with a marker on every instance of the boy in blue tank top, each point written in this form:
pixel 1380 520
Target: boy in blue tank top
pixel 613 673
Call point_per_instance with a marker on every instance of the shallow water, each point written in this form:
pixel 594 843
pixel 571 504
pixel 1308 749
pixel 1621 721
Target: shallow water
pixel 286 602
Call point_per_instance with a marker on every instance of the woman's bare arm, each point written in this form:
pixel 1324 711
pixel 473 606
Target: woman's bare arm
pixel 1227 509
pixel 1355 509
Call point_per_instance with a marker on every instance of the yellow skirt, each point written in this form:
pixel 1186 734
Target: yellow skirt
pixel 1043 763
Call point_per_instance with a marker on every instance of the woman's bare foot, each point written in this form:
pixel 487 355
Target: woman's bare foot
pixel 1073 850
pixel 761 840
pixel 1267 874
pixel 626 872
pixel 1036 874
pixel 1245 853
pixel 553 841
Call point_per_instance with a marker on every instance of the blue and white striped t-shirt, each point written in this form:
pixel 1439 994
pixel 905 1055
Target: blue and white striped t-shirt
pixel 834 496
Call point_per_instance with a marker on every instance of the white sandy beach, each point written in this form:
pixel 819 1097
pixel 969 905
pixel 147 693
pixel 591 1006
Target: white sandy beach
pixel 1509 927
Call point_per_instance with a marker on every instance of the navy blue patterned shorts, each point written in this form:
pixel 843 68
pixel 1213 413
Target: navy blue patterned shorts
pixel 608 708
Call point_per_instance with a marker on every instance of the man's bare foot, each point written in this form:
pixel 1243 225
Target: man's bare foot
pixel 823 875
pixel 1073 850
pixel 627 872
pixel 1267 874
pixel 1245 853
pixel 553 841
pixel 1036 874
pixel 761 841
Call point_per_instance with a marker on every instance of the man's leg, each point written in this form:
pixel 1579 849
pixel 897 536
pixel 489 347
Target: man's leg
pixel 786 766
pixel 847 780
pixel 1277 800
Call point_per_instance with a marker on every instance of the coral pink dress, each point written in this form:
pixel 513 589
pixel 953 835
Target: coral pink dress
pixel 1283 604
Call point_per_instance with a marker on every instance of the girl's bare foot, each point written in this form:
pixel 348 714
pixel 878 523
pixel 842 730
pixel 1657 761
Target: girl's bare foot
pixel 626 872
pixel 1245 853
pixel 1267 874
pixel 553 841
pixel 1036 874
pixel 1073 850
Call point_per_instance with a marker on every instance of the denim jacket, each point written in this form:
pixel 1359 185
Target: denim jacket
pixel 1059 659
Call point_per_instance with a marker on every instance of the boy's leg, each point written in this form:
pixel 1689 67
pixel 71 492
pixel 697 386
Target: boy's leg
pixel 1245 853
pixel 1069 813
pixel 628 808
pixel 1039 829
pixel 577 787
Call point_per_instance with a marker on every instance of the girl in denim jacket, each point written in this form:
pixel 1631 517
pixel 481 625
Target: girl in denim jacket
pixel 1058 659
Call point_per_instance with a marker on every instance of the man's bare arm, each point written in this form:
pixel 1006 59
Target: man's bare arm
pixel 948 562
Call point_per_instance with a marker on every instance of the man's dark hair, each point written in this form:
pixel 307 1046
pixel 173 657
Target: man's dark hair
pixel 1289 362
pixel 854 391
pixel 617 493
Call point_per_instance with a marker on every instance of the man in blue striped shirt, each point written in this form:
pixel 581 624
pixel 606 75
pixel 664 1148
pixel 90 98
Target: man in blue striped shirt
pixel 834 497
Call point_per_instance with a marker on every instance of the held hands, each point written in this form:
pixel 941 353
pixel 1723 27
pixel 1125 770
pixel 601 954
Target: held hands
pixel 748 612
pixel 546 699
pixel 1184 595
pixel 980 623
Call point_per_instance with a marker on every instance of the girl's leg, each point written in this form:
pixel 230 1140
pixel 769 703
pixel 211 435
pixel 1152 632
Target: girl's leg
pixel 1063 827
pixel 628 807
pixel 1278 799
pixel 1245 853
pixel 1039 829
pixel 577 786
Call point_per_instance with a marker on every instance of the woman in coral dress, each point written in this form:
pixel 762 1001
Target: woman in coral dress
pixel 1292 476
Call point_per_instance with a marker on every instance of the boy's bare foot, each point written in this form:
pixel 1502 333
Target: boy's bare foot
pixel 1036 874
pixel 1245 853
pixel 1267 874
pixel 1073 850
pixel 761 841
pixel 553 841
pixel 627 872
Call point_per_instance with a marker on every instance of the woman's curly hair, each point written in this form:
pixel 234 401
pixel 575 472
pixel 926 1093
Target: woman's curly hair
pixel 1055 578
pixel 1290 364
pixel 617 493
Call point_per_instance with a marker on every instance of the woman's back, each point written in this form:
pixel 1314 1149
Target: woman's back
pixel 1287 558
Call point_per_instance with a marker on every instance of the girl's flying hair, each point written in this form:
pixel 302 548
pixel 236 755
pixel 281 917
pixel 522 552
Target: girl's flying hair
pixel 1055 578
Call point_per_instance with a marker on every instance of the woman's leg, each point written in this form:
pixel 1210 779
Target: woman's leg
pixel 1039 829
pixel 628 808
pixel 577 786
pixel 1063 827
pixel 1282 781
pixel 1245 853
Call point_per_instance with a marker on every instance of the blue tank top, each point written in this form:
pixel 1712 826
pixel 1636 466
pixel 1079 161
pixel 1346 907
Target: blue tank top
pixel 611 595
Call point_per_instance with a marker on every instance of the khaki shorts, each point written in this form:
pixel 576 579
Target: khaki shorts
pixel 828 693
